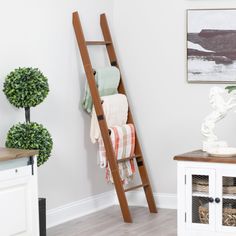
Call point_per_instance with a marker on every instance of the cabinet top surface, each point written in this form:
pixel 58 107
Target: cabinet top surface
pixel 200 156
pixel 7 154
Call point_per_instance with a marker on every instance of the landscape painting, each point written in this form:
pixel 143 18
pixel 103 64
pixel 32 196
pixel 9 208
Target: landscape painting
pixel 211 45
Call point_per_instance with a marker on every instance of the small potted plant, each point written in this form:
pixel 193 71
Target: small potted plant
pixel 26 88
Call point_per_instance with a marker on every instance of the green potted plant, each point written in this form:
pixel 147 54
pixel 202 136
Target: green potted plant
pixel 26 88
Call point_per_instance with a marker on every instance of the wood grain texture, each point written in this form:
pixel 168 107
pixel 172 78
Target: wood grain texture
pixel 108 222
pixel 7 154
pixel 200 156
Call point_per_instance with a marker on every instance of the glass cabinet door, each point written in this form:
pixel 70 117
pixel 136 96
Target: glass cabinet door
pixel 227 202
pixel 200 190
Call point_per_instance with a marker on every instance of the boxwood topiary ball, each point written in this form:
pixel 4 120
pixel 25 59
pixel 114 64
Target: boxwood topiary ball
pixel 26 87
pixel 31 136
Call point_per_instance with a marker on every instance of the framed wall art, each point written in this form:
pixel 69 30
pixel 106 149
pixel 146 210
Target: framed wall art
pixel 211 45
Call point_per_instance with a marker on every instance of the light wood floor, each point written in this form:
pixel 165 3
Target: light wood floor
pixel 109 222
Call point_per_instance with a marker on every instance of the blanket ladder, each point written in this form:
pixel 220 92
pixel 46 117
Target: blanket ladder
pixel 102 121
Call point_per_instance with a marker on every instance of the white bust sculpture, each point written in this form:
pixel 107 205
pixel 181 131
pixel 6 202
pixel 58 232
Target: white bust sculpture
pixel 221 106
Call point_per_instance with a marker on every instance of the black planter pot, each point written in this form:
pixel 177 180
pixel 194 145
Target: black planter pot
pixel 42 217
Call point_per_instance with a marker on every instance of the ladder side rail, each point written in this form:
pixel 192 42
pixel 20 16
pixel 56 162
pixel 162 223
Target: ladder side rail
pixel 102 121
pixel 141 165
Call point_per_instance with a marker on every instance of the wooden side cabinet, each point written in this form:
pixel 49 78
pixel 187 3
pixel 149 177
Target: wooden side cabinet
pixel 18 193
pixel 206 195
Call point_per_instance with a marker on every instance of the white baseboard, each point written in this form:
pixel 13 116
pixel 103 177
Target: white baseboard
pixel 163 200
pixel 79 208
pixel 95 203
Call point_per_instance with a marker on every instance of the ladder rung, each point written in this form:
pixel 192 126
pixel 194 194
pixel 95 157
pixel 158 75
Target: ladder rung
pixel 128 158
pixel 98 42
pixel 138 186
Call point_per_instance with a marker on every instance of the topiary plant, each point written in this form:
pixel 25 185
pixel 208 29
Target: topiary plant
pixel 31 135
pixel 26 87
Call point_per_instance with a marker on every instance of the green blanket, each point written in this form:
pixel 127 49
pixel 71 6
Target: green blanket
pixel 107 81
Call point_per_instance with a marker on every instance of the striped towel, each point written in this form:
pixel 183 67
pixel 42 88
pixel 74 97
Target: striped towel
pixel 107 80
pixel 123 141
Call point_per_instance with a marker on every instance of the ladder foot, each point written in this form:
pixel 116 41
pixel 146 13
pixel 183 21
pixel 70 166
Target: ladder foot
pixel 128 221
pixel 155 211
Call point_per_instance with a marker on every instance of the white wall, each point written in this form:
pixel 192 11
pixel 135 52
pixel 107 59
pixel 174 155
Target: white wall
pixel 151 41
pixel 39 33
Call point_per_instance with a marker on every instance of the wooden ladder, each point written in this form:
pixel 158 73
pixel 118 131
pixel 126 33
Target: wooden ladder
pixel 113 163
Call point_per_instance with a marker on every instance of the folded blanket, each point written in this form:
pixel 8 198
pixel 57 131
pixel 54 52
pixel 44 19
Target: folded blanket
pixel 115 109
pixel 107 81
pixel 123 141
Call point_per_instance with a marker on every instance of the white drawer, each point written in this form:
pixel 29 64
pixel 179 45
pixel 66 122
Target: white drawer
pixel 14 173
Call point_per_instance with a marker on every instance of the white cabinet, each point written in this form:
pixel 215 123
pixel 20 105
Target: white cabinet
pixel 18 198
pixel 206 199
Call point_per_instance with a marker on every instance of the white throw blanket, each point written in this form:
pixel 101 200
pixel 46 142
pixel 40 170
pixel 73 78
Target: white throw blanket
pixel 115 109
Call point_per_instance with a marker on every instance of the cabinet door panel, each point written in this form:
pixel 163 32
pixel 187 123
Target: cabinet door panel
pixel 16 205
pixel 226 208
pixel 13 215
pixel 200 191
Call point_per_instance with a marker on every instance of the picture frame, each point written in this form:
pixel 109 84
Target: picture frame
pixel 211 45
